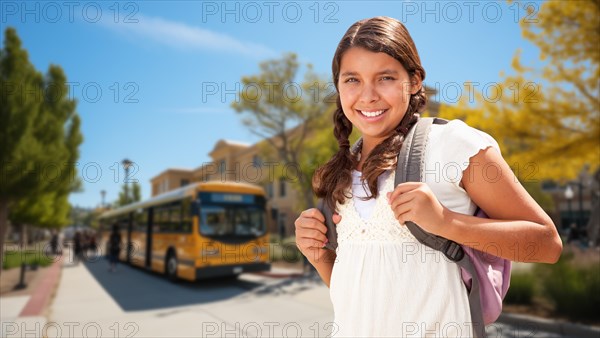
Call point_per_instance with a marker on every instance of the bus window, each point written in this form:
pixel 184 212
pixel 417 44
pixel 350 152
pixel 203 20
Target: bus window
pixel 248 221
pixel 186 216
pixel 213 221
pixel 239 221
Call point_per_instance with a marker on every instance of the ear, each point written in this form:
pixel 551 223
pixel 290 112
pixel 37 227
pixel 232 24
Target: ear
pixel 416 83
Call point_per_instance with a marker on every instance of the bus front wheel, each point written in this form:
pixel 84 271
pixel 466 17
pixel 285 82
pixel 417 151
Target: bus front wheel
pixel 171 268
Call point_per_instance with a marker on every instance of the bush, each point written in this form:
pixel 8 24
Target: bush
pixel 286 251
pixel 14 259
pixel 522 288
pixel 575 290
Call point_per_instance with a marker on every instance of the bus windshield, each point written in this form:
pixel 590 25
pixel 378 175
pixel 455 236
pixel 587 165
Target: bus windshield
pixel 232 221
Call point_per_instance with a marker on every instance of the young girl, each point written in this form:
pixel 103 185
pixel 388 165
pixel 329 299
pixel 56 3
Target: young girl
pixel 382 281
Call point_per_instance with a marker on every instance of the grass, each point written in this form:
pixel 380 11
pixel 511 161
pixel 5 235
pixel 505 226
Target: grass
pixel 522 288
pixel 285 250
pixel 30 257
pixel 573 287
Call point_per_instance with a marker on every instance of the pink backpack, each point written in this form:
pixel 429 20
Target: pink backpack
pixel 486 277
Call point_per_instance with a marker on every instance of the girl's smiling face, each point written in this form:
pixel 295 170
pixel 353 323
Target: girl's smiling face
pixel 375 91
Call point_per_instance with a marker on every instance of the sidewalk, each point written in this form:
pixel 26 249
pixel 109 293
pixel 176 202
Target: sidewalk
pixel 22 312
pixel 85 306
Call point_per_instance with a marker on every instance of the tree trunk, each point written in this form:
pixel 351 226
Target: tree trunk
pixel 3 227
pixel 306 191
pixel 23 237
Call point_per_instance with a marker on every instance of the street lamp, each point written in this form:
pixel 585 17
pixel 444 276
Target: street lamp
pixel 103 194
pixel 126 165
pixel 569 196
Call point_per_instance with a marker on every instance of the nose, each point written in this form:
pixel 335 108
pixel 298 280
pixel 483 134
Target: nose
pixel 368 94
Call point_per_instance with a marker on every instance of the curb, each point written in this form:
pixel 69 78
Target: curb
pixel 534 324
pixel 41 295
pixel 277 275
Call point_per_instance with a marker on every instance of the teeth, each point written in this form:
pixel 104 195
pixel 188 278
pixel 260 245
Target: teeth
pixel 372 113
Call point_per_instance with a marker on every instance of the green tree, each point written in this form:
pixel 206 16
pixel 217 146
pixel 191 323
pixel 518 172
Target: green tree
pixel 275 106
pixel 135 194
pixel 39 141
pixel 547 119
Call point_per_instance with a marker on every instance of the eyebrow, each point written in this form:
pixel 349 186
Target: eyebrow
pixel 385 71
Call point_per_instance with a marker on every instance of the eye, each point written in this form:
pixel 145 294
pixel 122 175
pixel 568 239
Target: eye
pixel 387 78
pixel 351 79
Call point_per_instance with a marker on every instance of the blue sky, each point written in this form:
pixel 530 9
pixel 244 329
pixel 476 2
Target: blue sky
pixel 141 70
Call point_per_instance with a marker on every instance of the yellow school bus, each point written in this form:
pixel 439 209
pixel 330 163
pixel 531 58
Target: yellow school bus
pixel 203 230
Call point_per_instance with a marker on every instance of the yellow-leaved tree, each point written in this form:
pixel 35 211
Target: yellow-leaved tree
pixel 547 117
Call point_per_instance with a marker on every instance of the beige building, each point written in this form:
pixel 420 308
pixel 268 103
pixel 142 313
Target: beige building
pixel 170 179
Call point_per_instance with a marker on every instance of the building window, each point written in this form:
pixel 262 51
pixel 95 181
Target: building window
pixel 222 166
pixel 165 186
pixel 256 161
pixel 282 230
pixel 281 187
pixel 184 182
pixel 270 189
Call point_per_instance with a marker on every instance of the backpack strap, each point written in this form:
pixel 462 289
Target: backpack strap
pixel 331 230
pixel 328 213
pixel 409 169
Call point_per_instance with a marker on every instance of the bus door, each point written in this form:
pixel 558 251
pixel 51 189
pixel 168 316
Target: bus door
pixel 129 243
pixel 149 227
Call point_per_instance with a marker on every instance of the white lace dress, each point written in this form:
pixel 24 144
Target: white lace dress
pixel 384 282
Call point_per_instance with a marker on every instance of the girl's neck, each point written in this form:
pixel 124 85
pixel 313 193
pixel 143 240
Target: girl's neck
pixel 367 146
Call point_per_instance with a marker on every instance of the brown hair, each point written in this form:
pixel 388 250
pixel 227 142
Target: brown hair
pixel 379 34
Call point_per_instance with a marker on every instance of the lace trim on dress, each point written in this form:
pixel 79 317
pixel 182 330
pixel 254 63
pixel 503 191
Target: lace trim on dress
pixel 382 226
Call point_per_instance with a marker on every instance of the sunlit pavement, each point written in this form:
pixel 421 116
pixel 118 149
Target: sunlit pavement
pixel 92 302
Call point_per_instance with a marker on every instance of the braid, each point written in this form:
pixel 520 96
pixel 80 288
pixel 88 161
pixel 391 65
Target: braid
pixel 342 129
pixel 331 180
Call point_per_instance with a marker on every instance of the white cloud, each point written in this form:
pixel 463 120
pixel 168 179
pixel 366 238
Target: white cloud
pixel 199 110
pixel 183 36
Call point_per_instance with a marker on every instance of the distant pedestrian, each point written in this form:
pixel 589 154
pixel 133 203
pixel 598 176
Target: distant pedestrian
pixel 114 247
pixel 54 242
pixel 93 245
pixel 78 247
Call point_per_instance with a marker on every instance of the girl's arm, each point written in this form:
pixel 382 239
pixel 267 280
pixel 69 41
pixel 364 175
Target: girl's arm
pixel 518 228
pixel 324 265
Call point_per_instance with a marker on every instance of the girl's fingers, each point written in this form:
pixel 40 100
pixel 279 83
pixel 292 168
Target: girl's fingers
pixel 402 212
pixel 313 213
pixel 403 188
pixel 310 223
pixel 309 242
pixel 310 233
pixel 401 199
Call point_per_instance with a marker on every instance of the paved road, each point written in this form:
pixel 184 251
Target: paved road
pixel 92 302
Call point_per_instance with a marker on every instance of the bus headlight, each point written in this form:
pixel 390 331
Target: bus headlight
pixel 213 252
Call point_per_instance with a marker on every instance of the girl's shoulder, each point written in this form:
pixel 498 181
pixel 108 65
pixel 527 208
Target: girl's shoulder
pixel 450 148
pixel 456 136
